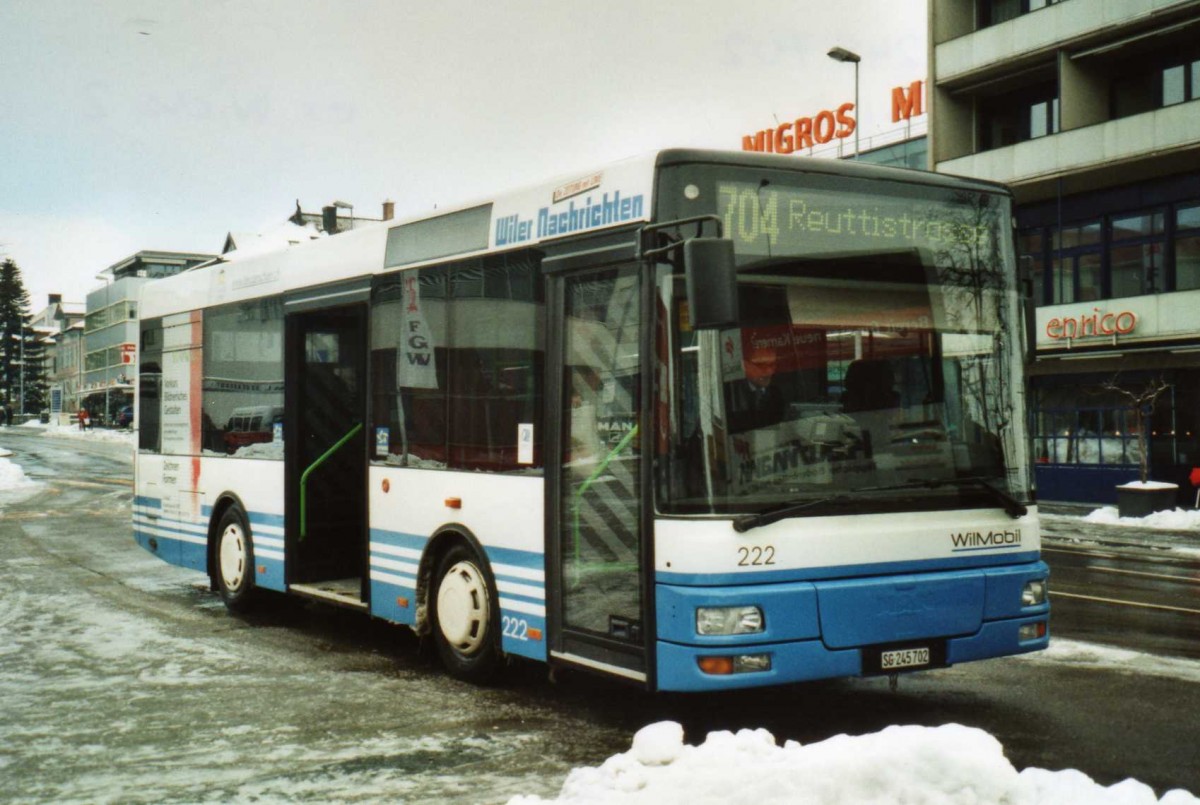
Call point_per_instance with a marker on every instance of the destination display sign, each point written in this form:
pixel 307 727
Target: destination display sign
pixel 770 219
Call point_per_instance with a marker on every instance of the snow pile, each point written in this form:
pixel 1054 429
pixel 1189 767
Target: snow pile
pixel 1174 520
pixel 904 764
pixel 12 477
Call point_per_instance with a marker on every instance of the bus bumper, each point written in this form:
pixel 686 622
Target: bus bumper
pixel 807 638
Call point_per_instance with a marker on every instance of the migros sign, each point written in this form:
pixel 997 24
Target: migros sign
pixel 829 124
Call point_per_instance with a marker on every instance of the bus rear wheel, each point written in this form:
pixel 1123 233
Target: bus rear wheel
pixel 465 623
pixel 234 561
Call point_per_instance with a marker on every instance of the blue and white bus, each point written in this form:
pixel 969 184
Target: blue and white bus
pixel 698 420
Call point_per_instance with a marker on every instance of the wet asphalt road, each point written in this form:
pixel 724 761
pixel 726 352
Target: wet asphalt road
pixel 123 679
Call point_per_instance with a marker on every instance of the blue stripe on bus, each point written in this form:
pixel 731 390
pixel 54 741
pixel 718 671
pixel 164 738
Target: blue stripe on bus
pixel 268 570
pixel 256 518
pixel 172 526
pixel 522 633
pixel 841 571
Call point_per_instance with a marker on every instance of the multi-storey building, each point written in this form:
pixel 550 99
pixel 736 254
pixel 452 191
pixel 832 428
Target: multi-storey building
pixel 1090 111
pixel 62 322
pixel 111 328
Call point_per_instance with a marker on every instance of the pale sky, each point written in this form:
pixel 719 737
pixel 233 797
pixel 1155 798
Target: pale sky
pixel 165 124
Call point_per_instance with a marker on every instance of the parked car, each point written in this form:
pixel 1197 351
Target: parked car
pixel 125 417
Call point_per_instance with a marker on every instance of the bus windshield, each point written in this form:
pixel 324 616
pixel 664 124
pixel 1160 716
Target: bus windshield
pixel 876 365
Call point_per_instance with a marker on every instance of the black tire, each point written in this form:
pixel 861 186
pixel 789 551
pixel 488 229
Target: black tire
pixel 233 561
pixel 465 615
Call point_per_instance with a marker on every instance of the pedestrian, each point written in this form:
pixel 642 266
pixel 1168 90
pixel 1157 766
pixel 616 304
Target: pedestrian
pixel 84 418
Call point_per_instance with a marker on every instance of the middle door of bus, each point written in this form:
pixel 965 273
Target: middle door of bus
pixel 596 556
pixel 325 410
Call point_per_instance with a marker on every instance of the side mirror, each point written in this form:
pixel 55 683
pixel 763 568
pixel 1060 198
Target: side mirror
pixel 711 275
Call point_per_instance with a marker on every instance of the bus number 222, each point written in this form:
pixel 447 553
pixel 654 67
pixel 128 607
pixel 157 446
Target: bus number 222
pixel 756 556
pixel 516 628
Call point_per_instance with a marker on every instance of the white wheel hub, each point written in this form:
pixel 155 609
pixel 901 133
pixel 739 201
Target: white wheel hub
pixel 232 557
pixel 462 608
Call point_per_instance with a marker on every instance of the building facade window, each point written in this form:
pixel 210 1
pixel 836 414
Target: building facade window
pixel 1018 116
pixel 1146 84
pixel 1136 254
pixel 994 12
pixel 1120 255
pixel 1187 248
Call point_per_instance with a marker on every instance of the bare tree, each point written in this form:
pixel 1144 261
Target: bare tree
pixel 1142 400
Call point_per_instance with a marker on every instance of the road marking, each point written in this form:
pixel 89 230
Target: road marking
pixel 1081 553
pixel 94 484
pixel 1163 607
pixel 1184 579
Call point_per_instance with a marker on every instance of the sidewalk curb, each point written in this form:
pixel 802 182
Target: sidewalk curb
pixel 1066 529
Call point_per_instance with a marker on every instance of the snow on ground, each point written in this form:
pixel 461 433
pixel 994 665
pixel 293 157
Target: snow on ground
pixel 1110 658
pixel 93 434
pixel 1174 520
pixel 12 476
pixel 903 764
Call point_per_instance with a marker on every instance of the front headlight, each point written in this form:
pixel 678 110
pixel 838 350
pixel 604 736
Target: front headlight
pixel 1034 593
pixel 728 620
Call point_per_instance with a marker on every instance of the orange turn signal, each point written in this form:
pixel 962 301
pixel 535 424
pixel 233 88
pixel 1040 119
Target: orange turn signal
pixel 716 665
pixel 454 503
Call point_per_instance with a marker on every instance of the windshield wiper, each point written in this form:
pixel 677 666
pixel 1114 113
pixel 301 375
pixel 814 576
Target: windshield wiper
pixel 782 512
pixel 1013 507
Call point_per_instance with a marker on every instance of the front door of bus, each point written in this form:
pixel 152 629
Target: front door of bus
pixel 325 408
pixel 597 555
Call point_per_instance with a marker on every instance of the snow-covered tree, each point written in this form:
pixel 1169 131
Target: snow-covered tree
pixel 21 354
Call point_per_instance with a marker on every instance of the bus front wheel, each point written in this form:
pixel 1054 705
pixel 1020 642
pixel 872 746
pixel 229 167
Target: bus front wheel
pixel 464 616
pixel 234 561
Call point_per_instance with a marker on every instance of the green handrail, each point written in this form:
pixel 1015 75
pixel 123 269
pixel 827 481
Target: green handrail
pixel 309 471
pixel 586 485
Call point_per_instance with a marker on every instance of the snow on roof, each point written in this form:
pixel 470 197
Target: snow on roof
pixel 278 237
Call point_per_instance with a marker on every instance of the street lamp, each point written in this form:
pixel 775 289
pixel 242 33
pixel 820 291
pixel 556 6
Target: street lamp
pixel 843 55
